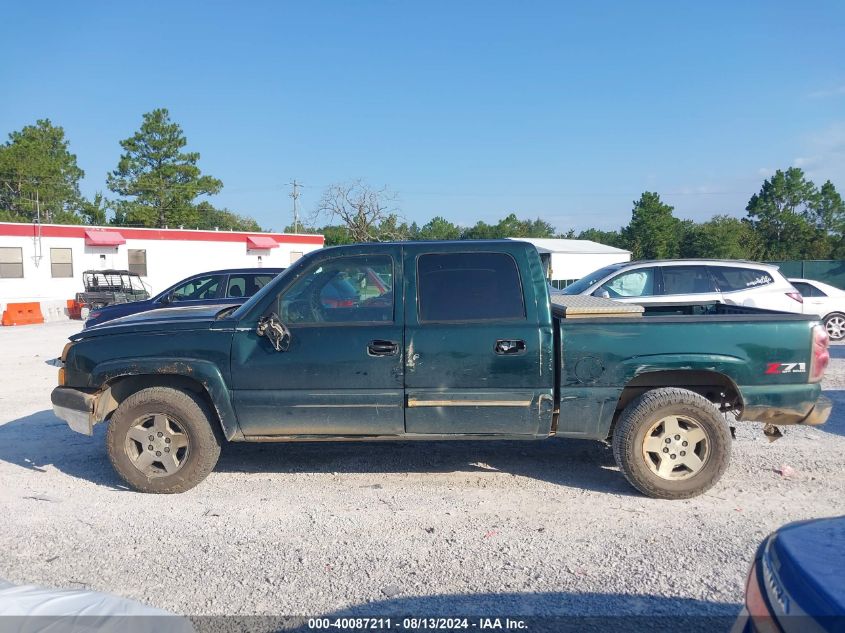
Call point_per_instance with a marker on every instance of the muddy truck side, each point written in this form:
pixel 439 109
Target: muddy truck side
pixel 433 341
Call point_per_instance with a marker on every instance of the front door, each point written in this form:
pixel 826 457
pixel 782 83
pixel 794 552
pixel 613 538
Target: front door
pixel 342 373
pixel 472 345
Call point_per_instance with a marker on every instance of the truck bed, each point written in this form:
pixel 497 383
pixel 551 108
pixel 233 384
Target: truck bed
pixel 726 349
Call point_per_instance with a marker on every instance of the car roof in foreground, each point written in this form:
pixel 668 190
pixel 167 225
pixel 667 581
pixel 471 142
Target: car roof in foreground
pixel 811 563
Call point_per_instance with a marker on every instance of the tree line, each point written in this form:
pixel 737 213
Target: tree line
pixel 158 183
pixel 789 218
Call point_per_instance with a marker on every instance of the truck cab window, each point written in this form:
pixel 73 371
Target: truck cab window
pixel 469 287
pixel 345 290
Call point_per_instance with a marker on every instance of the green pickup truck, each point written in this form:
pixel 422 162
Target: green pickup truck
pixel 434 341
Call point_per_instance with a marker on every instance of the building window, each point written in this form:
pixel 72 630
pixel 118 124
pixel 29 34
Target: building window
pixel 61 262
pixel 294 255
pixel 11 263
pixel 138 261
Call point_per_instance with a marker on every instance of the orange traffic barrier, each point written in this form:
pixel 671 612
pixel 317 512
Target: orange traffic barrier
pixel 74 309
pixel 22 314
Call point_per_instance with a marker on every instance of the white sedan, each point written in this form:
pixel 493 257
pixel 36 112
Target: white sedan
pixel 825 300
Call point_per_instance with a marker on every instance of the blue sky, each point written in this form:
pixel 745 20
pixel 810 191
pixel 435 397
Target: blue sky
pixel 470 110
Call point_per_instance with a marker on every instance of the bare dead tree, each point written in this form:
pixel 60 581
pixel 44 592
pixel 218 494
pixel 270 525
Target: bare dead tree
pixel 369 214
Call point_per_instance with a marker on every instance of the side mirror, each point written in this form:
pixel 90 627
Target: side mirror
pixel 167 299
pixel 602 293
pixel 276 331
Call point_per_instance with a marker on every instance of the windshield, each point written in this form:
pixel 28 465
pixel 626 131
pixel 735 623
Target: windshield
pixel 588 280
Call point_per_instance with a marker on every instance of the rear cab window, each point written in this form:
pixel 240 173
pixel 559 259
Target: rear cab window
pixel 468 287
pixel 731 279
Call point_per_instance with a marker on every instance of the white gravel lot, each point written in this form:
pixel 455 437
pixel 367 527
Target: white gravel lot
pixel 525 527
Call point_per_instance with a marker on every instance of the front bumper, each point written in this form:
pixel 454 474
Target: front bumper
pixel 76 408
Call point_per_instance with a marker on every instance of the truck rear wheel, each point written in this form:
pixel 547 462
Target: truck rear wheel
pixel 161 440
pixel 672 443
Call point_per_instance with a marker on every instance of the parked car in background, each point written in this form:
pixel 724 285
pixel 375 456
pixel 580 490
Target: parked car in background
pixel 692 281
pixel 219 286
pixel 109 287
pixel 827 301
pixel 797 580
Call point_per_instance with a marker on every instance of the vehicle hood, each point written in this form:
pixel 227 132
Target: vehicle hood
pixel 143 304
pixel 809 561
pixel 162 319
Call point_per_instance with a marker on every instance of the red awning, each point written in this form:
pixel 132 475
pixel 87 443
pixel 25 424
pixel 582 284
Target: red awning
pixel 261 241
pixel 103 238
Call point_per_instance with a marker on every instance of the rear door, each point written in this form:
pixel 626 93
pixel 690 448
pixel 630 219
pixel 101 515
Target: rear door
pixel 815 300
pixel 473 349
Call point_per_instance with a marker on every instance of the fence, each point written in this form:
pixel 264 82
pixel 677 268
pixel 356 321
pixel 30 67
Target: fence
pixel 829 271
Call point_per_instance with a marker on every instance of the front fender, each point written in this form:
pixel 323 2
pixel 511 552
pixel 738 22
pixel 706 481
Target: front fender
pixel 201 371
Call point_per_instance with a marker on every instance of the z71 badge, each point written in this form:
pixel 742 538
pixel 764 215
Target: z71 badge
pixel 786 368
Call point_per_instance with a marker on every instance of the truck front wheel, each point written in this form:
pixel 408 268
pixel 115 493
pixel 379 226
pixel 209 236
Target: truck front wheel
pixel 672 443
pixel 161 440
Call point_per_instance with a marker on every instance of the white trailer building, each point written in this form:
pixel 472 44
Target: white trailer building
pixel 44 262
pixel 569 260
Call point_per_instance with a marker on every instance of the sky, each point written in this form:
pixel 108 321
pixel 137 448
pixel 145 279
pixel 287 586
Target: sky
pixel 471 110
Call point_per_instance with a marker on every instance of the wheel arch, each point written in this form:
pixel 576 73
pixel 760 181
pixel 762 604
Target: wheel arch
pixel 715 386
pixel 199 377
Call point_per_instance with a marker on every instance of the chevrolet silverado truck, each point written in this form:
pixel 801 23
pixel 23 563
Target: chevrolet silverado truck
pixel 442 340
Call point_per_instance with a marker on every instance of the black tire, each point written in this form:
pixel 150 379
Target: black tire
pixel 839 319
pixel 641 427
pixel 181 410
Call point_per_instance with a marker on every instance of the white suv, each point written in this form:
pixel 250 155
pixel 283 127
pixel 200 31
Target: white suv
pixel 692 280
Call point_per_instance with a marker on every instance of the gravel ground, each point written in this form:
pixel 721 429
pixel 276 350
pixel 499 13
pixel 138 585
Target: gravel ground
pixel 525 528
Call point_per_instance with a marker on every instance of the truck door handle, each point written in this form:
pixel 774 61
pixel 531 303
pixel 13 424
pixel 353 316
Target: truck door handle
pixel 382 348
pixel 510 346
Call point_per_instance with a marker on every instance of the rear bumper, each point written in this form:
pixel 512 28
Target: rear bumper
pixel 75 407
pixel 820 413
pixel 782 405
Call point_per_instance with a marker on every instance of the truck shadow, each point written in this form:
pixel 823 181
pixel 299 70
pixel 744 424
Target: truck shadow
pixel 573 463
pixel 554 611
pixel 40 440
pixel 836 423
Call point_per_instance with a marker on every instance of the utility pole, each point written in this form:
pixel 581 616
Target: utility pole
pixel 295 195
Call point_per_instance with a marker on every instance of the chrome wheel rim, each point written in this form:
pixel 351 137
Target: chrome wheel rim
pixel 157 445
pixel 835 327
pixel 676 447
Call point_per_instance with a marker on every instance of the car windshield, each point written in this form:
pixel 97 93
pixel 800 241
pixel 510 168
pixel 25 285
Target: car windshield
pixel 588 280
